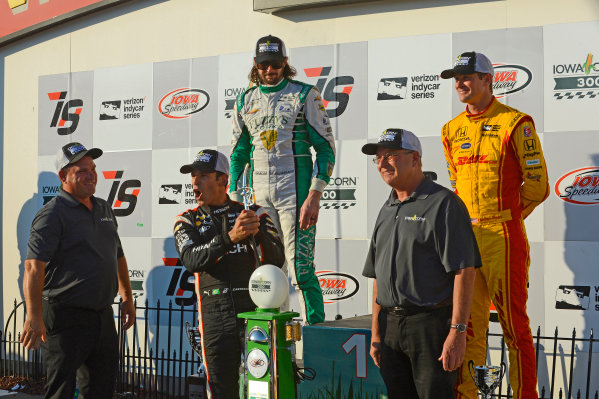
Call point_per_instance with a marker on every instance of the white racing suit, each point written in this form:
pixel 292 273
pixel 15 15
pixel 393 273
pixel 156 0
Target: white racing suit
pixel 273 130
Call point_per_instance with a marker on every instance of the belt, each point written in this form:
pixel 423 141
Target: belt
pixel 412 310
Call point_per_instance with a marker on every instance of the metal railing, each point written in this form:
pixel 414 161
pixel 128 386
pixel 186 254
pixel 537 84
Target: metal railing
pixel 155 356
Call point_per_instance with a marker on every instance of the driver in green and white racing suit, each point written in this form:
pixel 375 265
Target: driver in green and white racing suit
pixel 274 125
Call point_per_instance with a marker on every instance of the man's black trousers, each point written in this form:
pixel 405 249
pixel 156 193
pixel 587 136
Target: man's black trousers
pixel 80 343
pixel 410 348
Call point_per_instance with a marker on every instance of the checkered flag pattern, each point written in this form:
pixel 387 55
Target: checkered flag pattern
pixel 338 205
pixel 575 94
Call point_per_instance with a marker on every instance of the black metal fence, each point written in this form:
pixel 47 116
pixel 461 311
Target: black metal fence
pixel 155 356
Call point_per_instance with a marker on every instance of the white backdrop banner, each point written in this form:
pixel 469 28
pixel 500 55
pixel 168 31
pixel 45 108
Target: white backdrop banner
pixel 571 76
pixel 152 118
pixel 339 71
pixel 517 57
pixel 123 108
pixel 404 86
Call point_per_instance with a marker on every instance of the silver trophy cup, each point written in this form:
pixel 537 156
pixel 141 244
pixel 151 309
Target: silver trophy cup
pixel 486 378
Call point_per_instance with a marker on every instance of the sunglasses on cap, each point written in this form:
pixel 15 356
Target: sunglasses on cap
pixel 273 64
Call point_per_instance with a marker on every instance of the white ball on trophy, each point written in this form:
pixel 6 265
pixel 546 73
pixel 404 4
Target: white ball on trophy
pixel 269 287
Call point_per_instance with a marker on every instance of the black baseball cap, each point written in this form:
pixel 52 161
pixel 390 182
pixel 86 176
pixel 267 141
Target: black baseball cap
pixel 73 152
pixel 270 48
pixel 467 63
pixel 207 161
pixel 394 139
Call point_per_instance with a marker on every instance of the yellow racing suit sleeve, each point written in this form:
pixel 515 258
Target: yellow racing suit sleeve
pixel 527 148
pixel 451 170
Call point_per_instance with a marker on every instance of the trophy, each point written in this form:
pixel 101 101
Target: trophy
pixel 486 378
pixel 195 385
pixel 247 193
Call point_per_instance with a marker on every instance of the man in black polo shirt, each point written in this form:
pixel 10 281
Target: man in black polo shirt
pixel 422 256
pixel 74 266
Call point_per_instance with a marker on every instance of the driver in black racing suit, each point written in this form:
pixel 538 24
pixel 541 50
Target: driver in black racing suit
pixel 213 243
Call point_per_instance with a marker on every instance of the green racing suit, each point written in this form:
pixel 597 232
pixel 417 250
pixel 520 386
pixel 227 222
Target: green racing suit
pixel 273 130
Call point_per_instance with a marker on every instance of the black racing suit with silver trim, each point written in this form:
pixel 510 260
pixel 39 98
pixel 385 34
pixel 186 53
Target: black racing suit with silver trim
pixel 222 271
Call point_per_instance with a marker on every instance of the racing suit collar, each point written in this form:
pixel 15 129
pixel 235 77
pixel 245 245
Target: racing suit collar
pixel 272 89
pixel 217 209
pixel 483 112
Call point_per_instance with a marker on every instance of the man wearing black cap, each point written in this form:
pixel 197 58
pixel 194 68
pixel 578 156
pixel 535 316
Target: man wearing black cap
pixel 496 166
pixel 274 125
pixel 422 256
pixel 74 266
pixel 213 242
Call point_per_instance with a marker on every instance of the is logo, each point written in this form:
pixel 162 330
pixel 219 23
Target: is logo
pixel 580 186
pixel 329 94
pixel 340 193
pixel 576 297
pixel 65 113
pixel 337 286
pixel 576 80
pixel 182 103
pixel 182 283
pixel 118 193
pixel 170 194
pixel 392 88
pixel 230 96
pixel 510 79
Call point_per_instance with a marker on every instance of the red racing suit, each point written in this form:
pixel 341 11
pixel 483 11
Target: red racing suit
pixel 497 168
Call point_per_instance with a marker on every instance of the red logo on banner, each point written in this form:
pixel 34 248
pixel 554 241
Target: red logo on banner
pixel 119 195
pixel 510 79
pixel 580 186
pixel 337 286
pixel 329 94
pixel 182 103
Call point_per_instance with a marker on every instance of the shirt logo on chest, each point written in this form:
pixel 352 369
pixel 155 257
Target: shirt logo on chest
pixel 415 218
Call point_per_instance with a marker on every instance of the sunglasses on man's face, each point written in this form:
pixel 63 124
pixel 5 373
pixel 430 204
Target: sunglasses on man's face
pixel 264 65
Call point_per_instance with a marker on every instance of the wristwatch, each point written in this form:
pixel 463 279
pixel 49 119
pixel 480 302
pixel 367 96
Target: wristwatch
pixel 460 327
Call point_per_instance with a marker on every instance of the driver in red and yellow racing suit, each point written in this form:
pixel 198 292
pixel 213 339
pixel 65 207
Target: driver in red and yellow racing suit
pixel 497 168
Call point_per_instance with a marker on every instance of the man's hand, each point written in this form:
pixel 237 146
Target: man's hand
pixel 127 314
pixel 454 349
pixel 247 224
pixel 309 210
pixel 34 332
pixel 375 352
